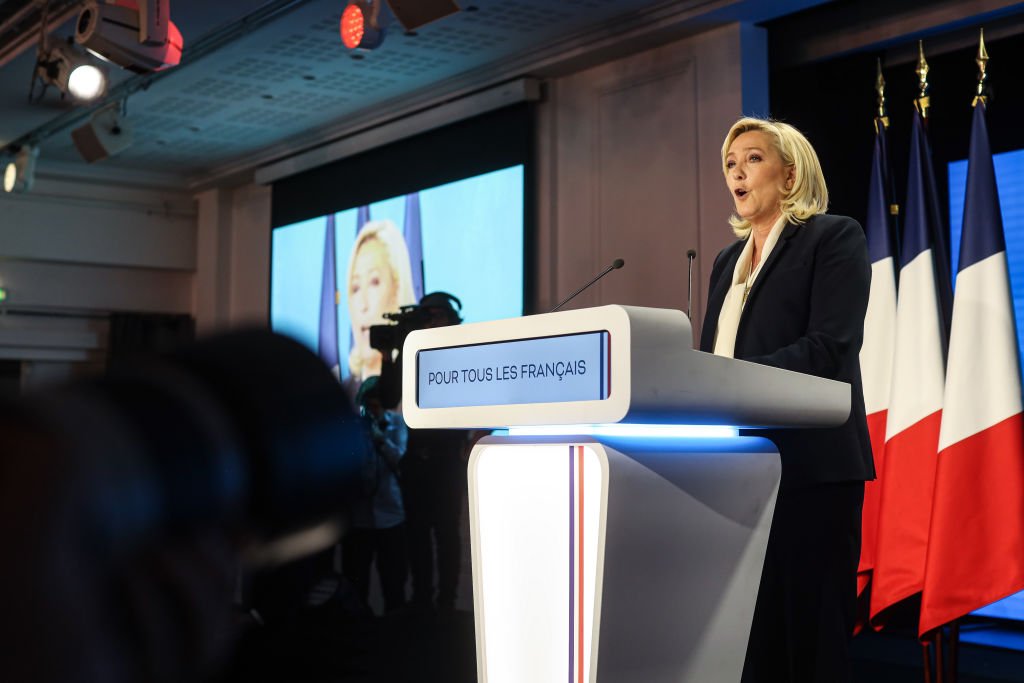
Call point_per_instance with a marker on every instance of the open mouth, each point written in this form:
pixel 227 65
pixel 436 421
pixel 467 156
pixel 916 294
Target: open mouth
pixel 740 193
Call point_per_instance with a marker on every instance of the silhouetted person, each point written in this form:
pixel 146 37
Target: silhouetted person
pixel 378 516
pixel 434 487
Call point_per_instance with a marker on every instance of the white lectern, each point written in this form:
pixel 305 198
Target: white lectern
pixel 619 531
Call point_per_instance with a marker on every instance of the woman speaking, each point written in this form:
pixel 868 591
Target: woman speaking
pixel 792 293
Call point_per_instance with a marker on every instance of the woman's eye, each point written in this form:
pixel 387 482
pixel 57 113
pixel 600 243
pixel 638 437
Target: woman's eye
pixel 755 157
pixel 374 281
pixel 730 164
pixel 354 289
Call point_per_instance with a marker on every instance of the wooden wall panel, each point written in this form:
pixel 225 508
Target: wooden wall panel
pixel 630 167
pixel 648 224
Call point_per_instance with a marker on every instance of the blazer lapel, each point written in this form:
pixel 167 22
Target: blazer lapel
pixel 715 300
pixel 766 268
pixel 773 257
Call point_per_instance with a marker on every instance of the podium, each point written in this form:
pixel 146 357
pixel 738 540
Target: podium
pixel 619 530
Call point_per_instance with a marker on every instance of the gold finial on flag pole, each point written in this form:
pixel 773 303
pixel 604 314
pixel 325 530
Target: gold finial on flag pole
pixel 881 117
pixel 923 101
pixel 982 61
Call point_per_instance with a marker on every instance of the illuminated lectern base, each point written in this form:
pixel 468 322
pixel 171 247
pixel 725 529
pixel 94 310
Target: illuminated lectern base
pixel 600 559
pixel 617 560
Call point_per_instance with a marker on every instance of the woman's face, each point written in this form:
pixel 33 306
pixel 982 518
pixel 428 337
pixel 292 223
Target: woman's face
pixel 757 178
pixel 371 290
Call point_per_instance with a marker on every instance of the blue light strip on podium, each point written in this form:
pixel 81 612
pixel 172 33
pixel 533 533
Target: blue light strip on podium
pixel 629 431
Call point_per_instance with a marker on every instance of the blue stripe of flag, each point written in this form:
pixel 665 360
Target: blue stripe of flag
pixel 983 221
pixel 923 228
pixel 878 225
pixel 916 234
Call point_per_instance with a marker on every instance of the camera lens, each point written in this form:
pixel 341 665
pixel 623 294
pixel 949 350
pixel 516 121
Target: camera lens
pixel 84 21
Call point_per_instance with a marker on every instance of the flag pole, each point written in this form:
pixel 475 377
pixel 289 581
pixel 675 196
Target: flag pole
pixel 926 659
pixel 923 101
pixel 882 116
pixel 933 644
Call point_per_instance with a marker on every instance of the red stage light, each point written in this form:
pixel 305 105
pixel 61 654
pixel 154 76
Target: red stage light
pixel 353 25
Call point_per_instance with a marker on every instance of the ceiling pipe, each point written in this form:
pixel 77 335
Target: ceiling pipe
pixel 15 19
pixel 28 38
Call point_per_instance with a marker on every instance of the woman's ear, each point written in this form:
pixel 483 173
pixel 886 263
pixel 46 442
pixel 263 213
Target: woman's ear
pixel 790 177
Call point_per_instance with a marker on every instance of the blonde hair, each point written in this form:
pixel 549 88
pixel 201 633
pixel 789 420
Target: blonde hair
pixel 809 195
pixel 397 255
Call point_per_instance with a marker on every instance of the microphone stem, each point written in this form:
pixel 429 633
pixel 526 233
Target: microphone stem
pixel 689 284
pixel 571 296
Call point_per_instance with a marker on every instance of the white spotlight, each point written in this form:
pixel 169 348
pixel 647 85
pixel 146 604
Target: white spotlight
pixel 72 72
pixel 86 82
pixel 20 173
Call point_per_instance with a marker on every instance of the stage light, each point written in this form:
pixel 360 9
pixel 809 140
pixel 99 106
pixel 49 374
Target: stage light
pixel 138 36
pixel 104 135
pixel 72 72
pixel 20 173
pixel 3 294
pixel 10 175
pixel 361 27
pixel 412 14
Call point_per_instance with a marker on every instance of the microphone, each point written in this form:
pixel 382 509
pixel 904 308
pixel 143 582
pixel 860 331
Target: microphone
pixel 690 256
pixel 616 264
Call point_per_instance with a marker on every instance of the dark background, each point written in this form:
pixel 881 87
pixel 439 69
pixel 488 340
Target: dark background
pixel 833 102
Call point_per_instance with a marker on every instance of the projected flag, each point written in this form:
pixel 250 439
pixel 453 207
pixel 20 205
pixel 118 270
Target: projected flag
pixel 327 347
pixel 414 241
pixel 362 217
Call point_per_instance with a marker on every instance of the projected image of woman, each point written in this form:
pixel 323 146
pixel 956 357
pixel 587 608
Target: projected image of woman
pixel 379 282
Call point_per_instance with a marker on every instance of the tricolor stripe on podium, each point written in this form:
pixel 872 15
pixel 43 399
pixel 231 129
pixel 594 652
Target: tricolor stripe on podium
pixel 976 548
pixel 577 640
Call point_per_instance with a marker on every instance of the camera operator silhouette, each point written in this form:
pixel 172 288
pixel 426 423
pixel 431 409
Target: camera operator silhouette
pixel 434 489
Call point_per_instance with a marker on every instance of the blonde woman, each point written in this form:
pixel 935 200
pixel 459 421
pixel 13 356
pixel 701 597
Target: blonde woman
pixel 792 292
pixel 379 281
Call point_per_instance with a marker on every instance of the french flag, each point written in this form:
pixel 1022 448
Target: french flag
pixel 915 403
pixel 976 549
pixel 876 354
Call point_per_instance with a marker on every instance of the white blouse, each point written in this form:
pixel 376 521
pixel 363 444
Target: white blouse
pixel 742 280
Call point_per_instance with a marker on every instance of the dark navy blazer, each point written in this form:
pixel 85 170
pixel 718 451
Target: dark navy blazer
pixel 805 312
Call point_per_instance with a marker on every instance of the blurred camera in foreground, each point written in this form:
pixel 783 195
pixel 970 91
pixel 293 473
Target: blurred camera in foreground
pixel 127 502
